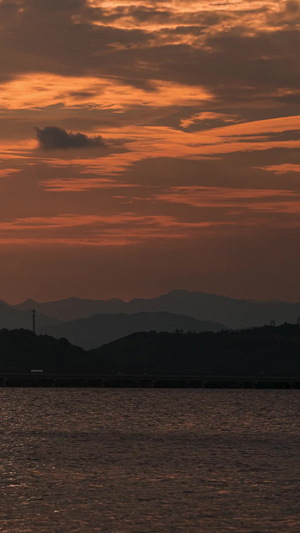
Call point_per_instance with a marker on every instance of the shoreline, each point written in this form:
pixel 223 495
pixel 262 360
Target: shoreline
pixel 148 381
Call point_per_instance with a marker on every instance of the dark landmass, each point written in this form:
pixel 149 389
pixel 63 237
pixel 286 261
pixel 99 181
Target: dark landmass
pixel 101 329
pixel 266 351
pixel 262 352
pixel 231 312
pixel 22 351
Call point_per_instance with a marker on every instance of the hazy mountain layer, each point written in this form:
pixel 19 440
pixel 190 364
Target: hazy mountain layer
pixel 228 311
pixel 12 318
pixel 101 329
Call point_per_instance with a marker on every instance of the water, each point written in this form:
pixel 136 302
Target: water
pixel 134 460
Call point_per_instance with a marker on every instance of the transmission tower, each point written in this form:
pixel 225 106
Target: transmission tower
pixel 33 320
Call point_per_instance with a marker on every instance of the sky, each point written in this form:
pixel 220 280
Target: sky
pixel 147 146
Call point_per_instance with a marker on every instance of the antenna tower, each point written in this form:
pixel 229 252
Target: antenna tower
pixel 33 320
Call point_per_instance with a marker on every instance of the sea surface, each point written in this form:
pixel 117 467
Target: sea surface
pixel 136 460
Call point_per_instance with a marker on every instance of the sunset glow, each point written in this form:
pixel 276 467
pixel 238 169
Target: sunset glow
pixel 139 132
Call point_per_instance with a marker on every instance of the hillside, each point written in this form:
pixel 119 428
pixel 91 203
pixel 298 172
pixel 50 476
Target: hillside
pixel 266 351
pixel 261 352
pixel 101 329
pixel 21 351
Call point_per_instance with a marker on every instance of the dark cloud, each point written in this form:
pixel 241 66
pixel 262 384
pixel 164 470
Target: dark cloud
pixel 53 138
pixel 235 65
pixel 77 48
pixel 154 15
pixel 83 94
pixel 288 15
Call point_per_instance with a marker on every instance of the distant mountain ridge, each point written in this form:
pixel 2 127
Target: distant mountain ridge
pixel 101 329
pixel 231 312
pixel 13 318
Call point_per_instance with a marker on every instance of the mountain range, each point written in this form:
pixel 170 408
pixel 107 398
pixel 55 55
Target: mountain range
pixel 233 313
pixel 11 317
pixel 92 323
pixel 101 329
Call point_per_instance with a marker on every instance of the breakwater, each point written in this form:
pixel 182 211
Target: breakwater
pixel 148 381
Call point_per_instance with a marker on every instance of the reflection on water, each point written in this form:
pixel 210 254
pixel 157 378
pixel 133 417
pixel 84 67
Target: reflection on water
pixel 136 460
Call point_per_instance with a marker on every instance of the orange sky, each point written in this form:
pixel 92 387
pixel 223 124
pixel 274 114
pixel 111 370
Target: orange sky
pixel 149 145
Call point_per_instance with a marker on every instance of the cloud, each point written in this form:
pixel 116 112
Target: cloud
pixel 237 52
pixel 96 230
pixel 7 171
pixel 54 138
pixel 205 117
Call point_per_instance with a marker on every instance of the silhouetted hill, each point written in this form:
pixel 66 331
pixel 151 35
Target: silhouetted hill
pixel 261 352
pixel 21 351
pixel 100 329
pixel 12 318
pixel 228 311
pixel 266 351
pixel 75 308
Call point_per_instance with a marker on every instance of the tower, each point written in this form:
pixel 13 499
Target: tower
pixel 33 320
